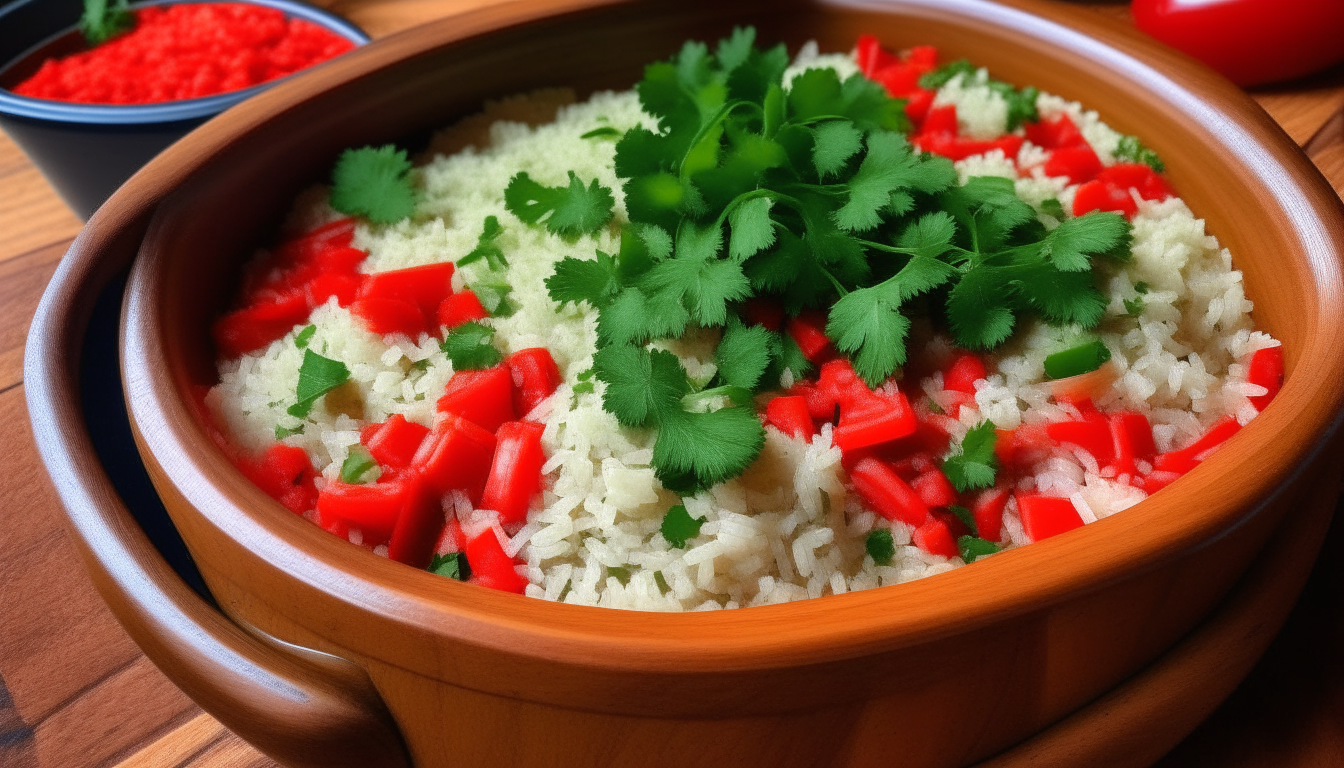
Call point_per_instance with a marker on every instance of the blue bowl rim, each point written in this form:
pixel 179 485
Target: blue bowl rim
pixel 12 104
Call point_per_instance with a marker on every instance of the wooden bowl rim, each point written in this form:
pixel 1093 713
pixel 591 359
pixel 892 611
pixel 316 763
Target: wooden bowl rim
pixel 835 627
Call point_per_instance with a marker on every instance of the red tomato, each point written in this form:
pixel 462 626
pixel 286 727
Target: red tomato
pixel 418 526
pixel 461 308
pixel 988 513
pixel 1251 42
pixel 1266 369
pixel 808 330
pixel 457 455
pixel 935 538
pixel 285 473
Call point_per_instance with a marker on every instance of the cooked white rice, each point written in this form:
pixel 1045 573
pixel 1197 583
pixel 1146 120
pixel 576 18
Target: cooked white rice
pixel 787 529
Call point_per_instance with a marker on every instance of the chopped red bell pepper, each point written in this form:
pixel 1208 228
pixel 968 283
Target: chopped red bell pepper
pixel 255 326
pixel 1020 448
pixel 1079 163
pixel 1187 458
pixel 820 405
pixel 838 381
pixel 490 567
pixel 451 538
pixel 374 509
pixel 869 54
pixel 1131 440
pixel 1097 195
pixel 886 493
pixel 384 299
pixel 1266 370
pixel 940 120
pixel 808 331
pixel 1054 134
pixel 459 308
pixel 935 538
pixel 535 378
pixel 384 316
pixel 1092 436
pixel 928 439
pixel 961 374
pixel 934 488
pixel 285 473
pixel 1046 516
pixel 322 287
pixel 393 443
pixel 515 473
pixel 484 397
pixel 456 456
pixel 917 105
pixel 987 509
pixel 1110 190
pixel 333 234
pixel 418 526
pixel 878 419
pixel 790 415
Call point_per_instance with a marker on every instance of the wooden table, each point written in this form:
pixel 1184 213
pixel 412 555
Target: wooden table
pixel 75 691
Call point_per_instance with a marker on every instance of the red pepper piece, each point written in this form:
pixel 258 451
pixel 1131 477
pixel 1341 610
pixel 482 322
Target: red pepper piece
pixel 335 259
pixel 333 525
pixel 1266 369
pixel 900 79
pixel 535 378
pixel 790 415
pixel 988 513
pixel 1046 516
pixel 886 493
pixel 425 287
pixel 961 374
pixel 928 439
pixel 1053 134
pixel 1092 436
pixel 869 54
pixel 1187 458
pixel 253 327
pixel 344 287
pixel 934 488
pixel 333 234
pixel 955 525
pixel 880 419
pixel 1097 195
pixel 820 405
pixel 957 148
pixel 515 473
pixel 451 539
pixel 1131 439
pixel 393 443
pixel 490 567
pixel 418 526
pixel 384 316
pixel 1149 183
pixel 924 57
pixel 285 473
pixel 763 312
pixel 1079 163
pixel 456 456
pixel 459 308
pixel 917 106
pixel 374 509
pixel 935 538
pixel 808 331
pixel 940 120
pixel 484 397
pixel 1020 448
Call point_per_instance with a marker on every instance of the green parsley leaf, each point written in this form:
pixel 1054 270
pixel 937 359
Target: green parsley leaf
pixel 359 466
pixel 318 375
pixel 568 211
pixel 880 546
pixel 304 336
pixel 282 432
pixel 966 517
pixel 1132 149
pixel 593 281
pixel 743 355
pixel 679 527
pixel 972 464
pixel 930 236
pixel 374 183
pixel 602 132
pixel 972 548
pixel 101 23
pixel 469 347
pixel 486 248
pixel 452 565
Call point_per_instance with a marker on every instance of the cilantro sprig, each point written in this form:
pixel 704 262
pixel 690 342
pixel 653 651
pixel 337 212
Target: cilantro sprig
pixel 972 464
pixel 470 347
pixel 101 22
pixel 318 375
pixel 572 210
pixel 373 182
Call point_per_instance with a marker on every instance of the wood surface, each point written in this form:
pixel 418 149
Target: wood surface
pixel 78 692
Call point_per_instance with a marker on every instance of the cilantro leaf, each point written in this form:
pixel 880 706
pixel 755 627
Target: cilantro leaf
pixel 1135 306
pixel 305 335
pixel 1068 246
pixel 880 546
pixel 888 167
pixel 486 248
pixel 568 211
pixel 930 236
pixel 752 229
pixel 1053 208
pixel 1132 149
pixel 973 548
pixel 818 93
pixel 282 432
pixel 634 317
pixel 641 385
pixel 743 355
pixel 359 466
pixel 713 446
pixel 100 23
pixel 469 347
pixel 593 281
pixel 452 565
pixel 602 132
pixel 318 375
pixel 374 183
pixel 679 527
pixel 494 296
pixel 944 74
pixel 972 464
pixel 836 142
pixel 988 208
pixel 979 309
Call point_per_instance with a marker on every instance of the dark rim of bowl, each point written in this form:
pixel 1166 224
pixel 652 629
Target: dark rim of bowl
pixel 172 111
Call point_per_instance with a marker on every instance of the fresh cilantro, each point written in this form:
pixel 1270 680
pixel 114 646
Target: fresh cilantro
pixel 743 355
pixel 972 464
pixel 679 527
pixel 305 336
pixel 101 22
pixel 568 211
pixel 282 432
pixel 1141 287
pixel 1067 247
pixel 622 575
pixel 1133 150
pixel 658 579
pixel 1135 306
pixel 966 517
pixel 880 546
pixel 1053 208
pixel 374 183
pixel 888 167
pixel 602 132
pixel 973 548
pixel 945 73
pixel 318 375
pixel 585 382
pixel 359 466
pixel 486 248
pixel 452 565
pixel 594 281
pixel 469 346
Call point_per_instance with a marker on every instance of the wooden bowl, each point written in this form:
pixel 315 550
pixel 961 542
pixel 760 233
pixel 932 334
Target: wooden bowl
pixel 939 672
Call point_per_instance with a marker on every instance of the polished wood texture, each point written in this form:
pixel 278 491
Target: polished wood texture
pixel 69 664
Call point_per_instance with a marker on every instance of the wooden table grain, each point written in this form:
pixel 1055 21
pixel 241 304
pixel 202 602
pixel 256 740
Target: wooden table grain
pixel 75 691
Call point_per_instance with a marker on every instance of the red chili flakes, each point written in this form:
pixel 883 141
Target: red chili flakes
pixel 185 52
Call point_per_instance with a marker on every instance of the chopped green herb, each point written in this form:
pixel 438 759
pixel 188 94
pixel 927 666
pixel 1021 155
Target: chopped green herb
pixel 973 548
pixel 972 464
pixel 585 382
pixel 494 296
pixel 1053 208
pixel 101 22
pixel 603 132
pixel 935 407
pixel 1141 287
pixel 374 183
pixel 318 375
pixel 658 579
pixel 1135 306
pixel 486 248
pixel 469 346
pixel 621 574
pixel 679 527
pixel 305 336
pixel 420 365
pixel 452 565
pixel 282 432
pixel 1132 149
pixel 1076 361
pixel 880 546
pixel 570 211
pixel 359 467
pixel 964 515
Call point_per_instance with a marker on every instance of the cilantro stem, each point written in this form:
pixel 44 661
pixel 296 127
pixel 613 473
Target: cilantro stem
pixel 840 289
pixel 709 125
pixel 738 395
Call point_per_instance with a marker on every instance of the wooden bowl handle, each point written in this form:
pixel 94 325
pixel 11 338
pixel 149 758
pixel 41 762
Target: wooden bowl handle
pixel 301 707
